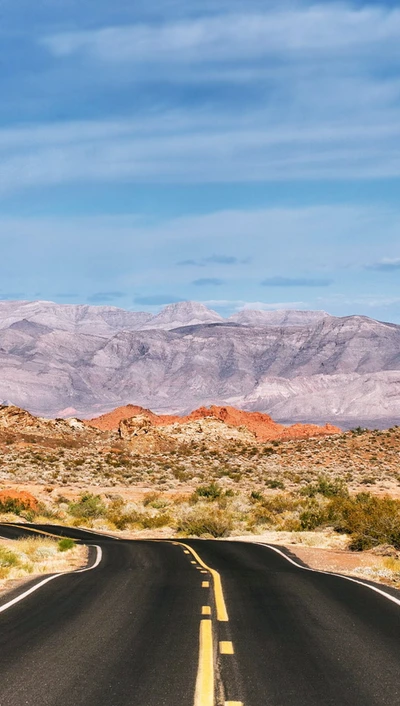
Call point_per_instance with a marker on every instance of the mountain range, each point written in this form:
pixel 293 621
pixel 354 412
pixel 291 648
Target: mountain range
pixel 303 366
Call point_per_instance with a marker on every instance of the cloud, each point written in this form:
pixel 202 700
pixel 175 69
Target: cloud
pixel 295 282
pixel 271 306
pixel 218 147
pixel 208 281
pixel 385 265
pixel 213 260
pixel 319 30
pixel 190 263
pixel 99 297
pixel 222 260
pixel 158 299
pixel 335 116
pixel 240 305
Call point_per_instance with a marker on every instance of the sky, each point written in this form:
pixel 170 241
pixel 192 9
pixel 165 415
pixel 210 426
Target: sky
pixel 241 153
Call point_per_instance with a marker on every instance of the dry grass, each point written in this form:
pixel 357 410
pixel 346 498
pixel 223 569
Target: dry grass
pixel 22 558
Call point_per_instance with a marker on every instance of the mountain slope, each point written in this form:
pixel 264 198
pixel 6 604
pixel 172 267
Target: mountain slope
pixel 87 359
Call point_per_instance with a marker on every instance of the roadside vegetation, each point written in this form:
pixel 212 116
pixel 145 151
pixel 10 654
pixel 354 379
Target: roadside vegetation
pixel 365 520
pixel 335 491
pixel 23 558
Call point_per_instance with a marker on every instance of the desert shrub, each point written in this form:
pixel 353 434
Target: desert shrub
pixel 312 517
pixel 154 521
pixel 14 505
pixel 65 544
pixel 207 521
pixel 275 484
pixel 212 491
pixel 155 500
pixel 325 487
pixel 88 507
pixel 8 558
pixel 260 516
pixel 368 519
pixel 256 496
pixel 280 503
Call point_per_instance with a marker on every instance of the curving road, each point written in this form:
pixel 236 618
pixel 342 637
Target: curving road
pixel 197 622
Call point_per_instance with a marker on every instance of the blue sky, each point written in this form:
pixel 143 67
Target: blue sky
pixel 242 153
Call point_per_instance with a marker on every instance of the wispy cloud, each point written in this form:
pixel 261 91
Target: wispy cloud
pixel 240 305
pixel 296 282
pixel 318 29
pixel 191 263
pixel 213 260
pixel 336 115
pixel 272 306
pixel 104 297
pixel 385 265
pixel 208 281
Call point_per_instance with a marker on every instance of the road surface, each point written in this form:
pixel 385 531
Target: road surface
pixel 199 622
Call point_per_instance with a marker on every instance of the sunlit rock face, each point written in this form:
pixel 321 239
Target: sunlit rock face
pixel 296 366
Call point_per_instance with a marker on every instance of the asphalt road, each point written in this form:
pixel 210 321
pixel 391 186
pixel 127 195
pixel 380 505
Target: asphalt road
pixel 127 632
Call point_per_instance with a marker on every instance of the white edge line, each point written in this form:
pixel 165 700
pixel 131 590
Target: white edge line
pixel 331 573
pixel 34 588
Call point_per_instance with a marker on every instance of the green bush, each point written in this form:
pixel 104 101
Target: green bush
pixel 325 487
pixel 370 520
pixel 275 484
pixel 212 491
pixel 13 505
pixel 8 558
pixel 313 517
pixel 256 496
pixel 65 544
pixel 88 507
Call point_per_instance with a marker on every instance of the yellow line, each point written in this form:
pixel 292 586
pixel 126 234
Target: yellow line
pixel 226 648
pixel 205 584
pixel 192 562
pixel 205 610
pixel 222 613
pixel 204 695
pixel 233 703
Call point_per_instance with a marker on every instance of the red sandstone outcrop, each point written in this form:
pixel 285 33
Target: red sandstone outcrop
pixel 21 496
pixel 261 425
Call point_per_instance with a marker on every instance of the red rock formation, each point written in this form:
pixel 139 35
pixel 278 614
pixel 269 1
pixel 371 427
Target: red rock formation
pixel 262 425
pixel 111 420
pixel 26 499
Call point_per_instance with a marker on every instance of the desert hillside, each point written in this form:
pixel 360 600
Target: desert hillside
pixel 216 472
pixel 133 447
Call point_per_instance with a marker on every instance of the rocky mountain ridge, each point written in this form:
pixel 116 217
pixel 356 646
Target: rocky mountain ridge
pixel 61 360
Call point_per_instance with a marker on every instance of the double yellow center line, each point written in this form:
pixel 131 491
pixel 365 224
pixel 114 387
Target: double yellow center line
pixel 205 682
pixel 222 613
